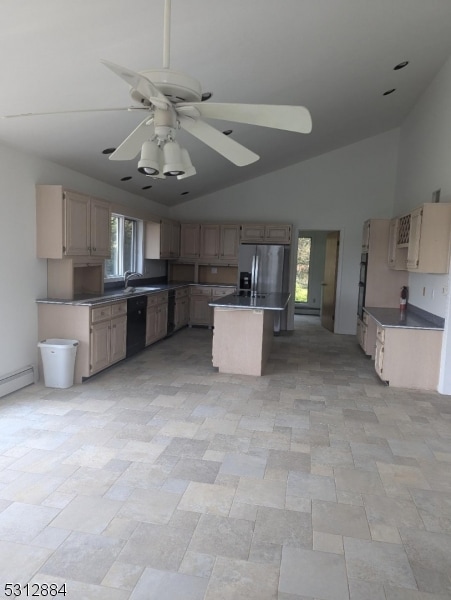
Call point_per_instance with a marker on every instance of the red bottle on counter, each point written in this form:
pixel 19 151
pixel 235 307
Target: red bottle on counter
pixel 403 299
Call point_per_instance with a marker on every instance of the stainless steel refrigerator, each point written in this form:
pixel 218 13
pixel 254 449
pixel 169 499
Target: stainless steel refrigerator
pixel 269 269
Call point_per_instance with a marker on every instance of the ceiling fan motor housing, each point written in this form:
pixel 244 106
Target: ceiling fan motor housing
pixel 177 87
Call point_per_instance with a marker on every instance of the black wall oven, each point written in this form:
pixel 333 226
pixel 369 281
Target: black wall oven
pixel 362 284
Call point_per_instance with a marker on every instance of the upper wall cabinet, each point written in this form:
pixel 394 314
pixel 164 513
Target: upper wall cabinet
pixel 71 224
pixel 429 238
pixel 189 240
pixel 219 242
pixel 162 239
pixel 266 234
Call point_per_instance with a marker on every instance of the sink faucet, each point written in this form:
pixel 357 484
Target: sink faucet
pixel 128 275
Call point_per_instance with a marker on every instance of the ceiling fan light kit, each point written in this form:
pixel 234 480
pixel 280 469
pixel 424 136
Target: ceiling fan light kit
pixel 173 101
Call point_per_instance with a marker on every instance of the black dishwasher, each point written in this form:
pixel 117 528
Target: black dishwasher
pixel 136 324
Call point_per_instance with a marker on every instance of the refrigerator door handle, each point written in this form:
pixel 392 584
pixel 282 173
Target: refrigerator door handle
pixel 253 275
pixel 256 276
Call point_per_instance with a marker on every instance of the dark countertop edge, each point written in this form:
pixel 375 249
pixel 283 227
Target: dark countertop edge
pixel 415 318
pixel 245 302
pixel 110 297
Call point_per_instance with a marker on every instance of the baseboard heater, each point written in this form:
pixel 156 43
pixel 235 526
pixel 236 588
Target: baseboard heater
pixel 11 382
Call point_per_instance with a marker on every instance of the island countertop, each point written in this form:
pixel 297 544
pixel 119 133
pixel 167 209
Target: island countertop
pixel 270 301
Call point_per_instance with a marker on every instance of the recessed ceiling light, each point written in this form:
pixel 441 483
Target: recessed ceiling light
pixel 146 187
pixel 388 92
pixel 125 178
pixel 401 65
pixel 184 193
pixel 206 96
pixel 227 131
pixel 108 150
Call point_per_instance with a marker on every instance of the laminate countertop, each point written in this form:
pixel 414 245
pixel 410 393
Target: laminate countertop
pixel 414 318
pixel 270 301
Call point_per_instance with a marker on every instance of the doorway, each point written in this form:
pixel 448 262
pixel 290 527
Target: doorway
pixel 316 275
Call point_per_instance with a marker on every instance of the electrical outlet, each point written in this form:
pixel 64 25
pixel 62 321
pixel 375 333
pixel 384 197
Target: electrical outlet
pixel 433 294
pixel 214 270
pixel 445 290
pixel 424 291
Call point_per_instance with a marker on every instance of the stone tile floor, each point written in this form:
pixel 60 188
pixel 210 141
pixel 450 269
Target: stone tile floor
pixel 162 479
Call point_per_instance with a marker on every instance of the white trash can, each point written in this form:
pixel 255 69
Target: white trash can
pixel 58 361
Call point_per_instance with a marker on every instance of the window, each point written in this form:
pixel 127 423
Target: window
pixel 303 269
pixel 124 247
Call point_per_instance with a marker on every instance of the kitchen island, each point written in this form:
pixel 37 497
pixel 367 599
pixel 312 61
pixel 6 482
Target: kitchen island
pixel 244 330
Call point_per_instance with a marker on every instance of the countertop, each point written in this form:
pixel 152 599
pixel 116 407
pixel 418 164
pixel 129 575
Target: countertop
pixel 118 295
pixel 414 318
pixel 271 301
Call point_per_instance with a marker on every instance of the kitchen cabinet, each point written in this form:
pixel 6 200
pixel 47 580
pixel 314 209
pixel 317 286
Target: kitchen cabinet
pixel 200 313
pixel 383 284
pixel 219 242
pixel 156 317
pixel 266 233
pixel 189 240
pixel 162 239
pixel 71 224
pixel 181 308
pixel 429 238
pixel 408 357
pixel 75 277
pixel 100 330
pixel 366 334
pixel 200 297
pixel 397 254
pixel 108 335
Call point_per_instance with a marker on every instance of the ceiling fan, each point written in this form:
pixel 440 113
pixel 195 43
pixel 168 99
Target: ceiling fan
pixel 174 101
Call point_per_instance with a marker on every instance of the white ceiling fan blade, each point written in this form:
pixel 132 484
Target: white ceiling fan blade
pixel 138 82
pixel 233 151
pixel 68 112
pixel 131 146
pixel 289 118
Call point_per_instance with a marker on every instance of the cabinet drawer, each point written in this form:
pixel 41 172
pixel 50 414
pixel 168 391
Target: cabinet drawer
pixel 380 333
pixel 182 292
pixel 119 309
pixel 201 291
pixel 219 292
pixel 154 299
pixel 101 313
pixel 365 318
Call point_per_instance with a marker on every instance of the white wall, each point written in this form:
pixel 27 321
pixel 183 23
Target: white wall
pixel 23 277
pixel 425 166
pixel 335 191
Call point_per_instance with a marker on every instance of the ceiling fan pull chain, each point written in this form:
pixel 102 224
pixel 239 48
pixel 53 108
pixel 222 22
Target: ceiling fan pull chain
pixel 167 33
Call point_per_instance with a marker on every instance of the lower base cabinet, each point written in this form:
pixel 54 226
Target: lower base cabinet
pixel 200 312
pixel 366 334
pixel 157 317
pixel 182 308
pixel 408 358
pixel 101 332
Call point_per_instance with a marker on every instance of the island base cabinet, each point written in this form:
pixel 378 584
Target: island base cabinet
pixel 242 340
pixel 408 358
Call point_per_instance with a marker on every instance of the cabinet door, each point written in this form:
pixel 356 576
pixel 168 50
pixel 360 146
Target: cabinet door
pixel 253 233
pixel 118 339
pixel 229 242
pixel 151 324
pixel 100 228
pixel 189 240
pixel 175 240
pixel 77 224
pixel 100 346
pixel 278 234
pixel 200 312
pixel 161 321
pixel 165 239
pixel 413 253
pixel 209 241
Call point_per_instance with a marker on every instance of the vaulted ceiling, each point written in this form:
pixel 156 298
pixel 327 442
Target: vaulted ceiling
pixel 336 57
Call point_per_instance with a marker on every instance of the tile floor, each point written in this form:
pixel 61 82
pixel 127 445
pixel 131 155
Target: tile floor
pixel 164 480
